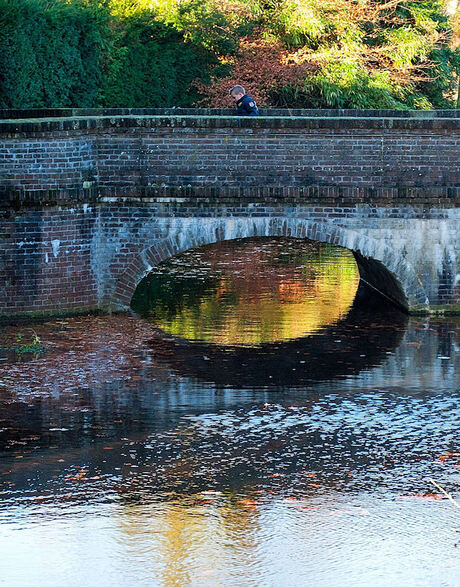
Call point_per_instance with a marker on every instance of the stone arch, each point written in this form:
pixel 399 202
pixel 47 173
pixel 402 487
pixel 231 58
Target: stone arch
pixel 375 259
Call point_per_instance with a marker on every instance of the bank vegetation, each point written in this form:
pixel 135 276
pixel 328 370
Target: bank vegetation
pixel 289 53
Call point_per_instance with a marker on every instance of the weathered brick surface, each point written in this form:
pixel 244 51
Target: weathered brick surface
pixel 45 262
pixel 138 151
pixel 89 204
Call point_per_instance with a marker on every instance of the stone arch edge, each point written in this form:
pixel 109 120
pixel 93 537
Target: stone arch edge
pixel 190 233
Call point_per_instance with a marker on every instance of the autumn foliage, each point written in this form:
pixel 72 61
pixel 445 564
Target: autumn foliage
pixel 341 53
pixel 261 65
pixel 286 53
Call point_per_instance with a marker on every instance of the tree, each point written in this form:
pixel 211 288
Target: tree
pixel 344 54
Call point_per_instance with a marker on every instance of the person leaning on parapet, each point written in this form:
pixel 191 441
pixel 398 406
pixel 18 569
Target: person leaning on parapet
pixel 245 105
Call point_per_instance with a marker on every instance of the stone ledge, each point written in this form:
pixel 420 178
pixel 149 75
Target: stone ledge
pixel 435 310
pixel 22 126
pixel 14 114
pixel 426 198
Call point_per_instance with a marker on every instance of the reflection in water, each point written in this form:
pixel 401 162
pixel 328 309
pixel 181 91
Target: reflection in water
pixel 129 457
pixel 250 291
pixel 359 341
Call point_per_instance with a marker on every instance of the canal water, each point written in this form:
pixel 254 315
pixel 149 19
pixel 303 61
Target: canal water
pixel 260 418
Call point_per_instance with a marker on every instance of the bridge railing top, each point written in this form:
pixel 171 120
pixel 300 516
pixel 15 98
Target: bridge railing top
pixel 34 113
pixel 33 122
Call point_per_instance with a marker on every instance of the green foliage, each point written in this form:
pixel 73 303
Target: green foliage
pixel 202 25
pixel 164 293
pixel 299 23
pixel 86 53
pixel 347 85
pixel 439 89
pixel 34 346
pixel 368 54
pixel 50 53
pixel 151 65
pixel 140 53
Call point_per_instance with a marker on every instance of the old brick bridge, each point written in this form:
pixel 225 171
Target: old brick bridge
pixel 92 199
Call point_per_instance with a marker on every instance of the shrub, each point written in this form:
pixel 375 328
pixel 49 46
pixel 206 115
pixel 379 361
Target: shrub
pixel 50 53
pixel 151 65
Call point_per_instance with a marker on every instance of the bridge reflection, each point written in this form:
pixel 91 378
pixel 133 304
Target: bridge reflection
pixel 361 340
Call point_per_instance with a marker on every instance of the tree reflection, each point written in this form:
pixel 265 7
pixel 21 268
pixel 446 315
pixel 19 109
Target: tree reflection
pixel 361 340
pixel 250 291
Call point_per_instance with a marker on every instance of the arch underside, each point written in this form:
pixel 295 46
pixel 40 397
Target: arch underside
pixel 380 266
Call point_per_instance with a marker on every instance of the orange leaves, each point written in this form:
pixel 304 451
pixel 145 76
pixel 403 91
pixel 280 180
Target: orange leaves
pixel 249 504
pixel 428 496
pixel 80 476
pixel 448 455
pixel 260 66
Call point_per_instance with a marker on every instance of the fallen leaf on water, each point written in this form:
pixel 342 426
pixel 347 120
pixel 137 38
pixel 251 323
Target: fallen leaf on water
pixel 423 496
pixel 448 455
pixel 248 503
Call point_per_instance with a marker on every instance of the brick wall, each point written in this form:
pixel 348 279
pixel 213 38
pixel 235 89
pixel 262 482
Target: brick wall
pixel 88 203
pixel 45 264
pixel 149 151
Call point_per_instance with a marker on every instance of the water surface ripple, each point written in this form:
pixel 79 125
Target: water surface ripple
pixel 132 456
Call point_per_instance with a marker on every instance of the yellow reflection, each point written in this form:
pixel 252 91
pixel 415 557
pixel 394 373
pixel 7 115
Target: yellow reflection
pixel 193 540
pixel 252 308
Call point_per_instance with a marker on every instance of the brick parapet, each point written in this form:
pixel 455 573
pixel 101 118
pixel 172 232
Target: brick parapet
pixel 87 156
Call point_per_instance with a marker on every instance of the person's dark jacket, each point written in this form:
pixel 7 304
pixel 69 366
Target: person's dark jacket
pixel 246 106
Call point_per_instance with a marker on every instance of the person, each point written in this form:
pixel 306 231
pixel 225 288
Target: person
pixel 245 105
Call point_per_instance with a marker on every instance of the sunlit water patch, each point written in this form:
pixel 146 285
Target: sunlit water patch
pixel 250 291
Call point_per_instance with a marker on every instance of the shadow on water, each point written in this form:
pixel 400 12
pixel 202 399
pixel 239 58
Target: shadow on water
pixel 143 451
pixel 371 330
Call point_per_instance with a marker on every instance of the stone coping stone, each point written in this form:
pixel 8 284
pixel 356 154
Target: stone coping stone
pixel 13 127
pixel 27 114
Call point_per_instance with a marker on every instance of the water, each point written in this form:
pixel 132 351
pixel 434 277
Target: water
pixel 250 291
pixel 131 455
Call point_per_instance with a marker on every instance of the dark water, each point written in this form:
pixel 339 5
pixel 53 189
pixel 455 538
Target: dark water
pixel 264 451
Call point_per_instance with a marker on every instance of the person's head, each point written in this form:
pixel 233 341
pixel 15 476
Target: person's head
pixel 237 92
